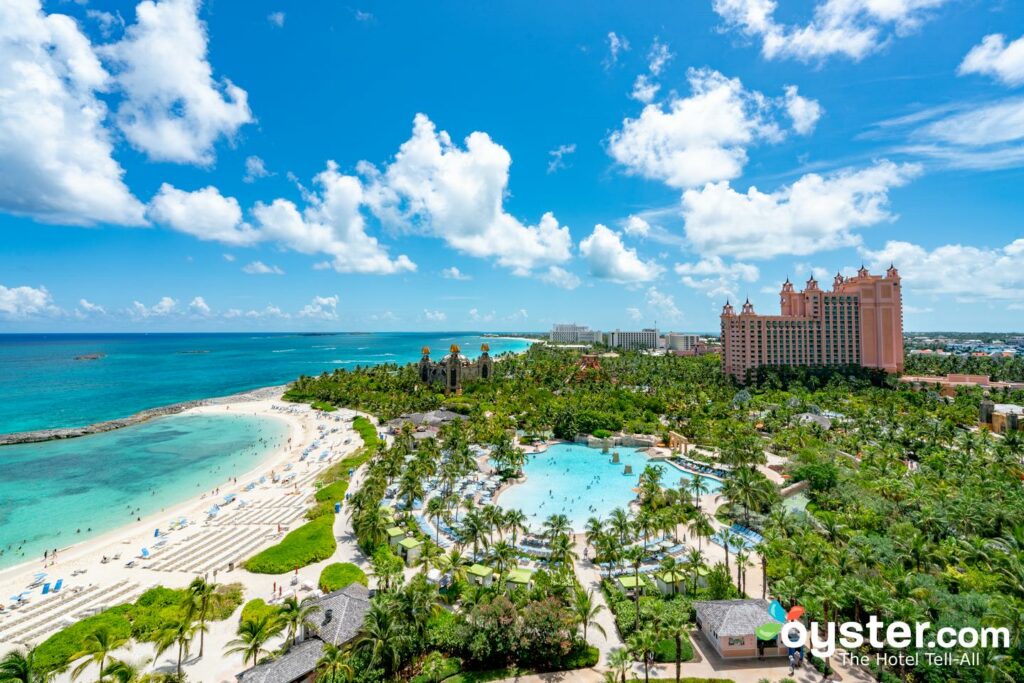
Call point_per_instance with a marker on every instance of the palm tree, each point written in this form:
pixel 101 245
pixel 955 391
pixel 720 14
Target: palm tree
pixel 381 637
pixel 253 634
pixel 619 523
pixel 697 486
pixel 619 659
pixel 702 528
pixel 694 565
pixel 642 644
pixel 435 510
pixel 334 665
pixel 504 555
pixel 119 671
pixel 593 528
pixel 670 567
pixel 555 526
pixel 635 556
pixel 178 632
pixel 96 647
pixel 584 611
pixel 205 598
pixel 675 626
pixel 515 522
pixel 729 540
pixel 16 667
pixel 295 615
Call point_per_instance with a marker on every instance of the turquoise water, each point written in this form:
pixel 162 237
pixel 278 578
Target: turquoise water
pixel 53 493
pixel 580 483
pixel 44 386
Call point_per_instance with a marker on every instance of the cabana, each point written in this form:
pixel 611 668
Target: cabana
pixel 629 583
pixel 480 574
pixel 395 535
pixel 671 583
pixel 410 548
pixel 519 577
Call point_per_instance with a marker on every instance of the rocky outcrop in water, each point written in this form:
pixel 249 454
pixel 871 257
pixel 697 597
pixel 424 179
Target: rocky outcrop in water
pixel 110 425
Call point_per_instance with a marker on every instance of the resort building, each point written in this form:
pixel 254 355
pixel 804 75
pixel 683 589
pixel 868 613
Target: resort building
pixel 571 333
pixel 948 384
pixel 644 339
pixel 858 322
pixel 679 342
pixel 337 621
pixel 730 627
pixel 1001 417
pixel 454 369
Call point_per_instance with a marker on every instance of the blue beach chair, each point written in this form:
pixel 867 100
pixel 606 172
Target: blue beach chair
pixel 46 588
pixel 56 586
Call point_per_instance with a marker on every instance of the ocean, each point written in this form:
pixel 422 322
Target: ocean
pixel 61 492
pixel 72 380
pixel 57 493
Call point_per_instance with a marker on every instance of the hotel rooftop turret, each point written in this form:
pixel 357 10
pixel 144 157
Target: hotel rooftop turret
pixel 858 322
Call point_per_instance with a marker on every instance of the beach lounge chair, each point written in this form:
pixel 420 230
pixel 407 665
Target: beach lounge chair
pixel 57 586
pixel 46 589
pixel 145 554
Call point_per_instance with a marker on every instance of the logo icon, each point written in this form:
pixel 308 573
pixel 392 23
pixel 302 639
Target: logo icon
pixel 780 617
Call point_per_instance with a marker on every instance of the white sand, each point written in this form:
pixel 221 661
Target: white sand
pixel 99 578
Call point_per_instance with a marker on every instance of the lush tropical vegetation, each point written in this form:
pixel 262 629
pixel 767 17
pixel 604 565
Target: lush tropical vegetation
pixel 340 575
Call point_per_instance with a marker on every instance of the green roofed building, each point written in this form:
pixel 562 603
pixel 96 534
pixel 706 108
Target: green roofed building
pixel 481 574
pixel 410 548
pixel 395 535
pixel 671 583
pixel 520 576
pixel 628 583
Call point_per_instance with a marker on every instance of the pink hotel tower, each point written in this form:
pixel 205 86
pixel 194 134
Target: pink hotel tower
pixel 860 322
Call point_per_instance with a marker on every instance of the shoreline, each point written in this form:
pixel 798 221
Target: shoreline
pixel 127 539
pixel 43 435
pixel 141 530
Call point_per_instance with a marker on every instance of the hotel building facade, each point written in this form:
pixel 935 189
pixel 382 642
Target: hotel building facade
pixel 859 322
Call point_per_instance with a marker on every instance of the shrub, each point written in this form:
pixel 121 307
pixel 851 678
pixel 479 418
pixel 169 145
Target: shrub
pixel 312 542
pixel 320 510
pixel 340 575
pixel 582 656
pixel 257 608
pixel 55 652
pixel 666 650
pixel 601 433
pixel 332 492
pixel 231 596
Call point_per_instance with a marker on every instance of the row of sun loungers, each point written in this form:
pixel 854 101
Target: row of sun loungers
pixel 268 514
pixel 211 549
pixel 47 616
pixel 746 533
pixel 695 466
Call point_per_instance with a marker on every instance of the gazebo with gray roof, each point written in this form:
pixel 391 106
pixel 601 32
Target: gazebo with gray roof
pixel 730 625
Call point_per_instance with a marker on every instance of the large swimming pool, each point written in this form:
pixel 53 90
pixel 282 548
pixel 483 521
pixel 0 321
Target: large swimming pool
pixel 581 482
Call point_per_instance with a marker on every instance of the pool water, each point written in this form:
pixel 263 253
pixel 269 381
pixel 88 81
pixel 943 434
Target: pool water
pixel 581 482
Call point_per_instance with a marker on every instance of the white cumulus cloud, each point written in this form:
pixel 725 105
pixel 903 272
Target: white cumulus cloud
pixel 457 194
pixel 434 316
pixel 25 302
pixel 162 308
pixel 963 271
pixel 994 57
pixel 663 305
pixel 688 141
pixel 173 109
pixel 199 306
pixel 803 112
pixel 560 277
pixel 454 273
pixel 205 214
pixel 610 259
pixel 321 308
pixel 54 149
pixel 716 278
pixel 813 214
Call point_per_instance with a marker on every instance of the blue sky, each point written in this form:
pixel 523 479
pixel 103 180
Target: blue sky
pixel 173 165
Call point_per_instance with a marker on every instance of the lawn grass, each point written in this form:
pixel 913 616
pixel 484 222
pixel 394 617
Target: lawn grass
pixel 257 608
pixel 666 651
pixel 339 575
pixel 332 492
pixel 312 542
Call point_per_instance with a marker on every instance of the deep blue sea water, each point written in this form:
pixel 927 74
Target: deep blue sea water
pixel 43 386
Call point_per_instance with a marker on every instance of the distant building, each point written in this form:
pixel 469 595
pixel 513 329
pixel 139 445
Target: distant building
pixel 1002 417
pixel 677 341
pixel 859 322
pixel 948 384
pixel 574 334
pixel 337 622
pixel 647 338
pixel 454 369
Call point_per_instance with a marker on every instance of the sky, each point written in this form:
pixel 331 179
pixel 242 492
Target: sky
pixel 174 165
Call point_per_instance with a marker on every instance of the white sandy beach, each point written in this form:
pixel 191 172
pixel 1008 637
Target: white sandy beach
pixel 205 546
